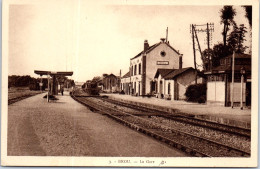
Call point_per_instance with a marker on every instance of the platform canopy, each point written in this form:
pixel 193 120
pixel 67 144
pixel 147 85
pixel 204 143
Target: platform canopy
pixel 40 72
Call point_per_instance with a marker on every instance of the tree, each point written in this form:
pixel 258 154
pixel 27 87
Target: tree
pixel 206 58
pixel 83 86
pixel 62 79
pixel 23 81
pixel 211 57
pixel 236 38
pixel 220 51
pixel 96 79
pixel 248 15
pixel 227 18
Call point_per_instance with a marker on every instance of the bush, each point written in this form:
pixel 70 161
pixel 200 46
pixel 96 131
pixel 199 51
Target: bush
pixel 23 81
pixel 34 86
pixel 122 92
pixel 149 95
pixel 196 93
pixel 202 99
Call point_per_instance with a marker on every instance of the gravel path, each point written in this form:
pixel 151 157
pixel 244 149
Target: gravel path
pixel 66 128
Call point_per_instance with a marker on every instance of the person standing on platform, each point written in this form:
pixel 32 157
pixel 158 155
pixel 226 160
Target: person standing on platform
pixel 61 90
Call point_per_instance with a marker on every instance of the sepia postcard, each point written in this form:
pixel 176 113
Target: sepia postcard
pixel 125 83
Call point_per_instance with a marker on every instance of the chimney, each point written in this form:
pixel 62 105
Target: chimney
pixel 162 39
pixel 146 45
pixel 180 61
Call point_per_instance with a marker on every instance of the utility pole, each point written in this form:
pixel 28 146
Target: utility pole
pixel 208 35
pixel 243 72
pixel 208 39
pixel 241 91
pixel 233 73
pixel 208 28
pixel 194 52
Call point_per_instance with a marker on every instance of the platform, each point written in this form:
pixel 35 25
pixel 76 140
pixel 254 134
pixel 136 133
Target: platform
pixel 216 113
pixel 67 128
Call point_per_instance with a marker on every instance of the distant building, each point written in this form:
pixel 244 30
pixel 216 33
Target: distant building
pixel 140 78
pixel 219 86
pixel 79 84
pixel 171 84
pixel 126 83
pixel 111 83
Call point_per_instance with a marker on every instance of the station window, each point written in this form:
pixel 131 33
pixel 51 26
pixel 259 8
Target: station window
pixel 139 68
pixel 211 78
pixel 228 61
pixel 163 53
pixel 134 87
pixel 135 70
pixel 169 88
pixel 222 62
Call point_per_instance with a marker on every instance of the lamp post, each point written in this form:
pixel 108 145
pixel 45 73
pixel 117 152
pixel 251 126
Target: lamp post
pixel 243 72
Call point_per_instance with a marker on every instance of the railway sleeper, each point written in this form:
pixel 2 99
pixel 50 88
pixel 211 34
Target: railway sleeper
pixel 143 108
pixel 179 146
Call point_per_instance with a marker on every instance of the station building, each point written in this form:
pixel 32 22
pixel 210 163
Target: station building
pixel 140 80
pixel 111 83
pixel 171 84
pixel 219 81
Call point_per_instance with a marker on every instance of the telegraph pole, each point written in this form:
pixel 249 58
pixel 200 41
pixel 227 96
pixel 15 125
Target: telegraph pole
pixel 233 74
pixel 194 52
pixel 197 29
pixel 208 35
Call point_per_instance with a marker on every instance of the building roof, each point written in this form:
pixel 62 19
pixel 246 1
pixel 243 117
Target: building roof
pixel 42 72
pixel 177 72
pixel 228 68
pixel 126 75
pixel 240 55
pixel 163 72
pixel 149 49
pixel 153 47
pixel 109 76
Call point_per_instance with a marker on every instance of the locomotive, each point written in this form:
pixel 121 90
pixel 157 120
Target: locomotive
pixel 92 88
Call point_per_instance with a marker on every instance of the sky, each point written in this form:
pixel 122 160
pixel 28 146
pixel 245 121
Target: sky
pixel 94 38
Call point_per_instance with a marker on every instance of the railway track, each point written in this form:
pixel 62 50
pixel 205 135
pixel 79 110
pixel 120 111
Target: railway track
pixel 186 118
pixel 191 144
pixel 16 99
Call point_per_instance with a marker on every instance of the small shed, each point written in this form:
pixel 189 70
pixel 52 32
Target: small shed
pixel 172 83
pixel 219 81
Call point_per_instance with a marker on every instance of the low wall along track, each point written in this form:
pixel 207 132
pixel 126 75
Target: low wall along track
pixel 196 137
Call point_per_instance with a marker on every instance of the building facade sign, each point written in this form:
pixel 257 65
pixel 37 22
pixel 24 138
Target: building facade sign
pixel 162 62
